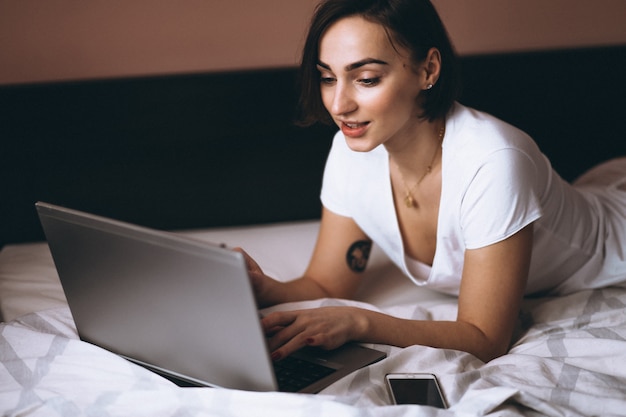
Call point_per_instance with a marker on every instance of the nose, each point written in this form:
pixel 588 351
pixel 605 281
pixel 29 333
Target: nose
pixel 343 101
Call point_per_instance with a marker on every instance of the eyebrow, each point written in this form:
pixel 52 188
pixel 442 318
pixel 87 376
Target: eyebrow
pixel 355 65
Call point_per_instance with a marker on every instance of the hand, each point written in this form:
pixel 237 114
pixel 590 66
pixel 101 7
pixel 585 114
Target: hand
pixel 262 285
pixel 325 327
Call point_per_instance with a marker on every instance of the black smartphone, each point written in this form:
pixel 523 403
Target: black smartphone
pixel 413 388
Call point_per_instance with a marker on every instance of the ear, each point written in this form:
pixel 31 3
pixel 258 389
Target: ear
pixel 431 67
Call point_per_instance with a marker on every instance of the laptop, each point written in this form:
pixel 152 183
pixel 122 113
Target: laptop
pixel 181 307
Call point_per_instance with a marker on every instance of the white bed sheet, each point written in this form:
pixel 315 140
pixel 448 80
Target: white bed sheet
pixel 569 357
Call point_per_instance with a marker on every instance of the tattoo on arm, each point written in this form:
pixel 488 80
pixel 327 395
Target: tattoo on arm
pixel 358 254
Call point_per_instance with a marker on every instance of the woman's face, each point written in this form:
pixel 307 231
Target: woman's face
pixel 369 88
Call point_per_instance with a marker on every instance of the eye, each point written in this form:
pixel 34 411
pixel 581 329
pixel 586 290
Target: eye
pixel 326 80
pixel 369 82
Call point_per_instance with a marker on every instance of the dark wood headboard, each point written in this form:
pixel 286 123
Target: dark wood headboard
pixel 220 149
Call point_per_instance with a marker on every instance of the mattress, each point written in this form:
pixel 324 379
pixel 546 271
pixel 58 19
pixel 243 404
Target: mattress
pixel 568 356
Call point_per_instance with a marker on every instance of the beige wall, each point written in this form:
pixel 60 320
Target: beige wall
pixel 46 40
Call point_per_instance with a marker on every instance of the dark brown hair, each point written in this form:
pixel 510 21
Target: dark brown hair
pixel 413 24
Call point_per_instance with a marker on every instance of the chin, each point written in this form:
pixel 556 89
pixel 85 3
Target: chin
pixel 360 144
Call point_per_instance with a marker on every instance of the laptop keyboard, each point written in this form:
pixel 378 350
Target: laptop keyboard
pixel 293 374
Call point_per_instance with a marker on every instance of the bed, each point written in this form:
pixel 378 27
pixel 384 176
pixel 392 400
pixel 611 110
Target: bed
pixel 568 357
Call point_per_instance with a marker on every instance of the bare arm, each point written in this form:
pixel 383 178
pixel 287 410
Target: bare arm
pixel 335 268
pixel 492 287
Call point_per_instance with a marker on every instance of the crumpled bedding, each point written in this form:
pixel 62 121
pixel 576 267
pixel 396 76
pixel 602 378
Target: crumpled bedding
pixel 568 357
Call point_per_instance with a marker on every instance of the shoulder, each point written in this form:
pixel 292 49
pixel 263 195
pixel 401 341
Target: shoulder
pixel 494 175
pixel 473 130
pixel 474 138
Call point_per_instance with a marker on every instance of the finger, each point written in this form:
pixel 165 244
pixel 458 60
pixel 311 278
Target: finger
pixel 324 341
pixel 250 262
pixel 278 319
pixel 279 335
pixel 302 339
pixel 290 346
pixel 285 329
pixel 273 330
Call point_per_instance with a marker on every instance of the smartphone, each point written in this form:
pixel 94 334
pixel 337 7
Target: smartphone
pixel 412 388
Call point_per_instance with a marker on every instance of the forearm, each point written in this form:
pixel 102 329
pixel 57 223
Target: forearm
pixel 493 283
pixel 300 289
pixel 380 328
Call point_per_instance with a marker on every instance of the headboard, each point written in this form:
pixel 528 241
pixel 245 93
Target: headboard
pixel 220 149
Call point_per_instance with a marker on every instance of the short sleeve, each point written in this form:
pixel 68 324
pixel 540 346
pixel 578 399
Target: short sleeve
pixel 501 199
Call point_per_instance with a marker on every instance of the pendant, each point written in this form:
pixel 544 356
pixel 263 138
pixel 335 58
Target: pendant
pixel 408 201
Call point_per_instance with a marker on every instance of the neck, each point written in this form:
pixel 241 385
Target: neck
pixel 413 156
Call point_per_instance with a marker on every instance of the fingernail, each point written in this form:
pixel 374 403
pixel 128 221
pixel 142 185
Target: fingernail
pixel 276 356
pixel 309 341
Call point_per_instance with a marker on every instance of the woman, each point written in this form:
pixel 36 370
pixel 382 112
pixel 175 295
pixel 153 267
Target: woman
pixel 462 202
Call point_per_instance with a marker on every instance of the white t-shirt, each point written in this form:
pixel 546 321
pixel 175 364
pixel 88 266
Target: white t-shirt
pixel 495 181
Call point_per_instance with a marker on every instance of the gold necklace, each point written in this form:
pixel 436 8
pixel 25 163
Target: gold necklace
pixel 409 201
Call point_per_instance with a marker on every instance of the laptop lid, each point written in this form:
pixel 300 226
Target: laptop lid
pixel 180 306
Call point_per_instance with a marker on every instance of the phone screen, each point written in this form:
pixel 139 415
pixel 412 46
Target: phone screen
pixel 416 390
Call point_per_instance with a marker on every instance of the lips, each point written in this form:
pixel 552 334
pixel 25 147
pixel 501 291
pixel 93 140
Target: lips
pixel 354 129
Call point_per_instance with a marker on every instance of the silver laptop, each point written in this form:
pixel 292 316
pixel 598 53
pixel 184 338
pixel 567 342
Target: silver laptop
pixel 181 307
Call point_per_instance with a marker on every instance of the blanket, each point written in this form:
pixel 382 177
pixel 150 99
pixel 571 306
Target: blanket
pixel 568 359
